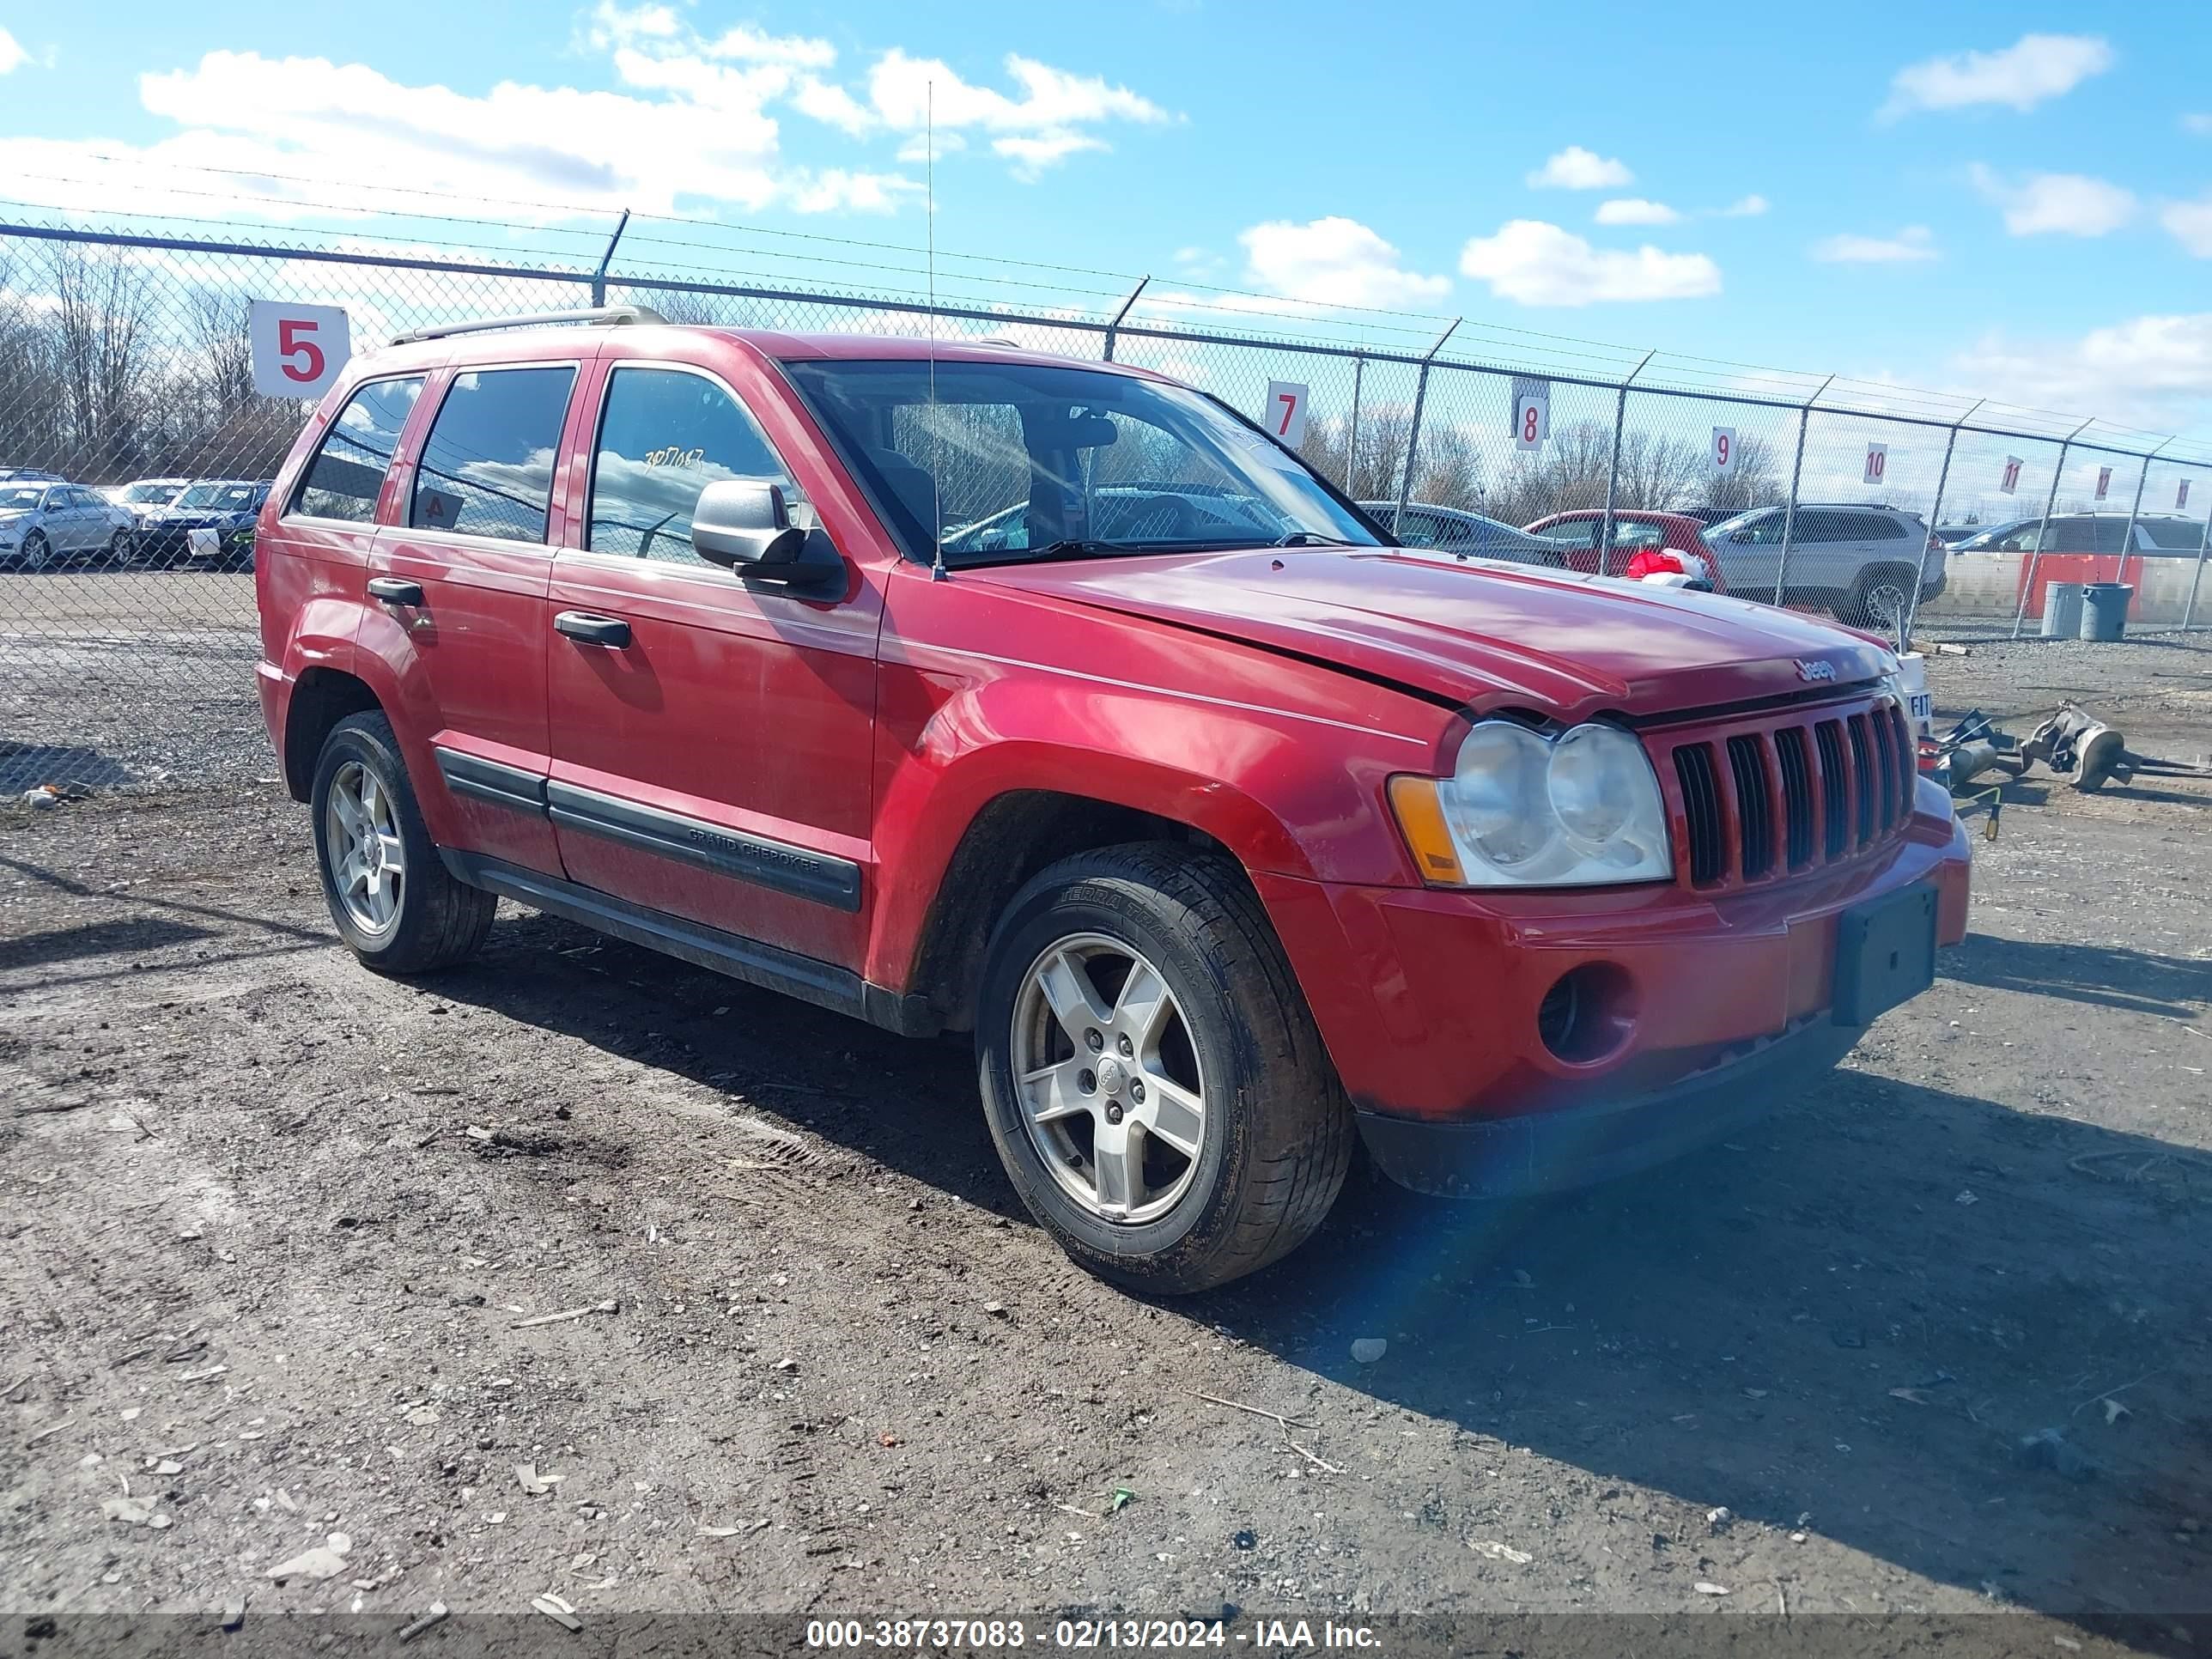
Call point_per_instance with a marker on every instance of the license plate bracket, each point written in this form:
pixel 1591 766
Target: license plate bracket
pixel 1885 954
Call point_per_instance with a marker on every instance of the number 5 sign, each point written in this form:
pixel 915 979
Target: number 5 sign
pixel 1285 418
pixel 298 351
pixel 1723 450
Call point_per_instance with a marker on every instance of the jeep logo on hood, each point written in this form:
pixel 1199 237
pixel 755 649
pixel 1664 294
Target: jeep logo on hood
pixel 1812 671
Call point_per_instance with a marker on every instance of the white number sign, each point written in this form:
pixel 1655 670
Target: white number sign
pixel 1286 412
pixel 1723 450
pixel 2010 483
pixel 298 351
pixel 2181 494
pixel 1877 462
pixel 2104 481
pixel 1532 413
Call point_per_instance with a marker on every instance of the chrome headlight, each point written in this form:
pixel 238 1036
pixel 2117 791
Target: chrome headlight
pixel 1524 809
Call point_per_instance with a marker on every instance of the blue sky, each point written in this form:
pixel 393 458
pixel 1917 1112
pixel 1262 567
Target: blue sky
pixel 2008 198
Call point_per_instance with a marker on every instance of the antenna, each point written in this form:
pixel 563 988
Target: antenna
pixel 937 570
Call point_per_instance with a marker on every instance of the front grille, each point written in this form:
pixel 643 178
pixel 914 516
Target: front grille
pixel 1701 809
pixel 1792 791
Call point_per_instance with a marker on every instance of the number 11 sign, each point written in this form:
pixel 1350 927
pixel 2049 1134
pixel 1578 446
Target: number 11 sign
pixel 298 351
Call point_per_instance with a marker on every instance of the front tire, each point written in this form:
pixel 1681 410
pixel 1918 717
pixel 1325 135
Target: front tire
pixel 35 551
pixel 390 895
pixel 1151 1074
pixel 1881 597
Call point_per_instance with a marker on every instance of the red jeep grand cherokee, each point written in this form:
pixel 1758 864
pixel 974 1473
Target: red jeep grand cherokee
pixel 1057 702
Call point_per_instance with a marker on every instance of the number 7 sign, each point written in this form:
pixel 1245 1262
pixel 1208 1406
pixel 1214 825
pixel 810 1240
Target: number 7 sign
pixel 297 350
pixel 1285 417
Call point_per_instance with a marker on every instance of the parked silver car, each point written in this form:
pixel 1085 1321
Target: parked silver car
pixel 1457 530
pixel 43 523
pixel 1858 559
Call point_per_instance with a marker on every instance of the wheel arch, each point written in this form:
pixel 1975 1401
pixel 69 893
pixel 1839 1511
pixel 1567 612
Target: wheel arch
pixel 320 698
pixel 1015 835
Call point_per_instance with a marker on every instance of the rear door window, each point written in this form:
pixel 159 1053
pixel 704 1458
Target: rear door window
pixel 348 471
pixel 487 467
pixel 1578 533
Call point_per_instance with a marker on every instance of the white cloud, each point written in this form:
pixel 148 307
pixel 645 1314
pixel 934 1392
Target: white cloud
pixel 1577 168
pixel 2034 68
pixel 1912 243
pixel 1745 206
pixel 12 55
pixel 1537 263
pixel 2189 223
pixel 1032 153
pixel 2069 203
pixel 915 151
pixel 2200 124
pixel 2155 370
pixel 691 121
pixel 1335 261
pixel 1635 210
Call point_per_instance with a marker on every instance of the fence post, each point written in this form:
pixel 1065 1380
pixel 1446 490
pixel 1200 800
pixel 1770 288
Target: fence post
pixel 2042 529
pixel 1123 312
pixel 1613 469
pixel 2128 541
pixel 1935 518
pixel 1352 433
pixel 1797 473
pixel 599 276
pixel 2203 545
pixel 1413 434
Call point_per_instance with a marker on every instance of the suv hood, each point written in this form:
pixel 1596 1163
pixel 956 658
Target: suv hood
pixel 1474 631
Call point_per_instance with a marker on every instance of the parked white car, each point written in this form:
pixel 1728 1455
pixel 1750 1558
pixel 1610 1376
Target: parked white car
pixel 43 523
pixel 143 496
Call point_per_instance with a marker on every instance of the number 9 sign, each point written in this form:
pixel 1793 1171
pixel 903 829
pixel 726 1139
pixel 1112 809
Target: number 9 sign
pixel 1723 450
pixel 298 351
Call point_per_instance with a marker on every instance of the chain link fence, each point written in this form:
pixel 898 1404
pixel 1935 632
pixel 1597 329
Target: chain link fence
pixel 134 450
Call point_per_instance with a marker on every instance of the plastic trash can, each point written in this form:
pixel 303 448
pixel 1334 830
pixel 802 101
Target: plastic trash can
pixel 2062 611
pixel 2105 610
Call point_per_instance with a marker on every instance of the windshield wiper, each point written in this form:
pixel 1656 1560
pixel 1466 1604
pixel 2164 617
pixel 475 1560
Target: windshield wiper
pixel 1309 539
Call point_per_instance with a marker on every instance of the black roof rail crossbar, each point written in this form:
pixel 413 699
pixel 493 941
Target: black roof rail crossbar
pixel 601 316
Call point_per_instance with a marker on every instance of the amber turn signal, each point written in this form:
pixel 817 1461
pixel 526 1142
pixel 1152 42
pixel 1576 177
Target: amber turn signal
pixel 1421 820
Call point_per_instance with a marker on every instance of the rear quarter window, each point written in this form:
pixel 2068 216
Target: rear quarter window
pixel 348 470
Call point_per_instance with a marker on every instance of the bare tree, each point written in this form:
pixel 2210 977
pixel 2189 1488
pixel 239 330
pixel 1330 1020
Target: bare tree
pixel 1754 481
pixel 100 307
pixel 31 398
pixel 223 325
pixel 1372 475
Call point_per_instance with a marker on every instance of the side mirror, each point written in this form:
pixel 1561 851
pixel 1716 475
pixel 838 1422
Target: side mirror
pixel 741 525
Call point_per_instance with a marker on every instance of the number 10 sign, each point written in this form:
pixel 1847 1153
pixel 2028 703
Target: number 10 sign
pixel 298 351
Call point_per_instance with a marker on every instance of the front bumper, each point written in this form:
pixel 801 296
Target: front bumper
pixel 1431 1003
pixel 1575 1146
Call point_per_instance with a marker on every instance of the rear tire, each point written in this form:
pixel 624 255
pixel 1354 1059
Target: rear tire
pixel 1881 597
pixel 1240 1129
pixel 390 895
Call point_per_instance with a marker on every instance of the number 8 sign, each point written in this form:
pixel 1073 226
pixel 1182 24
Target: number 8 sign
pixel 298 351
pixel 1532 413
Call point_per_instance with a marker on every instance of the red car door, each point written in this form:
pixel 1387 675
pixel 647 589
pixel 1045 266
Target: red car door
pixel 460 579
pixel 711 736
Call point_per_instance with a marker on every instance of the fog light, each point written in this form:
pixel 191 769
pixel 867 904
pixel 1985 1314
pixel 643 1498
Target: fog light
pixel 1588 1013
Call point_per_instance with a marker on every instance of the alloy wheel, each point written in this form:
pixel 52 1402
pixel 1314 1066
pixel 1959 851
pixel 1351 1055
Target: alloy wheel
pixel 1107 1078
pixel 367 860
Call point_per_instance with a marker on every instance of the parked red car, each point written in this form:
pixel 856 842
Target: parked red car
pixel 1579 533
pixel 1055 702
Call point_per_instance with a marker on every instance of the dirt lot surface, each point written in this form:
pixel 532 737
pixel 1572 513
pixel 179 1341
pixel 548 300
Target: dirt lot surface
pixel 278 1238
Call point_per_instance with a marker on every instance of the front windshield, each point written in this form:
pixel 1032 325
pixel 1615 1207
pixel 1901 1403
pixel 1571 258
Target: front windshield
pixel 20 500
pixel 1005 462
pixel 202 494
pixel 146 495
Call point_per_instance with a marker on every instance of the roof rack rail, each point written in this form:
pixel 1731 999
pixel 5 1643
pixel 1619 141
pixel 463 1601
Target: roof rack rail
pixel 598 316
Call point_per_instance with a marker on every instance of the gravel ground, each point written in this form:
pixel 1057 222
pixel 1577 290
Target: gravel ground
pixel 278 1238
